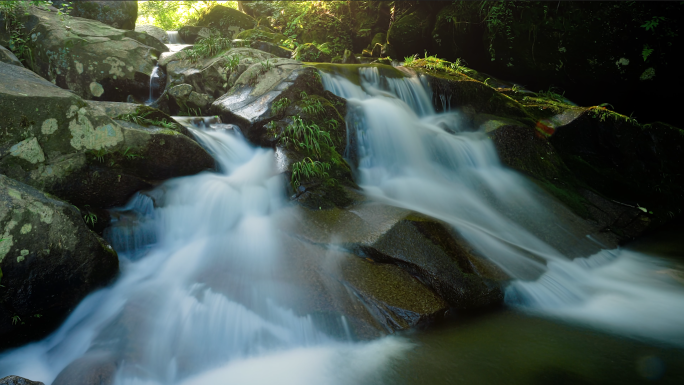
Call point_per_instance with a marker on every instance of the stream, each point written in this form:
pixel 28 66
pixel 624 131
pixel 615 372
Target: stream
pixel 200 267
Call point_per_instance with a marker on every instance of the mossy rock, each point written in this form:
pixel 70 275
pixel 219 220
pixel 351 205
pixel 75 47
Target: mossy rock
pixel 310 53
pixel 118 14
pixel 351 71
pixel 191 33
pixel 49 261
pixel 379 38
pixel 228 21
pixel 260 34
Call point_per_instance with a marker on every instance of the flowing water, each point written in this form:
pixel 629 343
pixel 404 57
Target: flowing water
pixel 195 302
pixel 154 85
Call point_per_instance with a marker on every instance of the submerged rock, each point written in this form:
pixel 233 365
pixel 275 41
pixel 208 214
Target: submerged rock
pixel 92 59
pixel 49 261
pixel 53 140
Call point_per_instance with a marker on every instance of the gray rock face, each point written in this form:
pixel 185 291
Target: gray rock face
pixel 8 57
pixel 213 76
pixel 190 33
pixel 118 14
pixel 49 261
pixel 153 31
pixel 53 140
pixel 92 59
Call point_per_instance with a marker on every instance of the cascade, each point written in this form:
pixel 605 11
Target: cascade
pixel 194 302
pixel 409 156
pixel 174 37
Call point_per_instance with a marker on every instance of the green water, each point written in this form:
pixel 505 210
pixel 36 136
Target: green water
pixel 509 347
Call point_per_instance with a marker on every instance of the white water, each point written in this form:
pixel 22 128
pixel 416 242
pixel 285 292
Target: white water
pixel 174 37
pixel 410 157
pixel 193 304
pixel 154 84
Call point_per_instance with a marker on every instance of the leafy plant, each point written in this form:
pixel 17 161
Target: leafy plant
pixel 312 106
pixel 90 219
pixel 266 66
pixel 207 47
pixel 306 136
pixel 646 52
pixel 233 63
pixel 15 320
pixel 651 24
pixel 279 106
pixel 131 155
pixel 306 169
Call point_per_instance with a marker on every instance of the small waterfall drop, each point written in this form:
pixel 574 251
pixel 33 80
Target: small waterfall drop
pixel 410 157
pixel 154 85
pixel 194 304
pixel 176 43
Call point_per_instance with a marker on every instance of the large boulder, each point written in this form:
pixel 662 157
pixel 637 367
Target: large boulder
pixel 190 33
pixel 213 76
pixel 49 261
pixel 261 35
pixel 92 59
pixel 228 21
pixel 53 140
pixel 7 56
pixel 153 31
pixel 118 14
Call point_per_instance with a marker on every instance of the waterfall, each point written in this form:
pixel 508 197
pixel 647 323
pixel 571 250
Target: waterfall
pixel 154 84
pixel 174 37
pixel 409 156
pixel 196 299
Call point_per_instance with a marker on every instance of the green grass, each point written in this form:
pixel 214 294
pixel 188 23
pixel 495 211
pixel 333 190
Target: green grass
pixel 142 120
pixel 233 63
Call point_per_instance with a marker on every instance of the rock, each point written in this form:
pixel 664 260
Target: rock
pixel 228 21
pixel 388 238
pixel 54 141
pixel 214 76
pixel 190 34
pixel 181 91
pixel 272 48
pixel 92 59
pixel 388 51
pixel 248 103
pixel 118 14
pixel 349 58
pixel 377 50
pixel 153 31
pixel 49 260
pixel 16 380
pixel 8 57
pixel 260 35
pixel 409 33
pixel 379 38
pixel 93 368
pixel 310 53
pixel 541 138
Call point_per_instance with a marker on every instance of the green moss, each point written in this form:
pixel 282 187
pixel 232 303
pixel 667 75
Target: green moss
pixel 256 34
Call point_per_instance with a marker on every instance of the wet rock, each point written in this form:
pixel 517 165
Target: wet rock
pixel 49 261
pixel 272 48
pixel 214 76
pixel 117 14
pixel 92 59
pixel 94 368
pixel 53 140
pixel 8 57
pixel 228 21
pixel 248 103
pixel 310 53
pixel 190 33
pixel 16 380
pixel 153 31
pixel 380 253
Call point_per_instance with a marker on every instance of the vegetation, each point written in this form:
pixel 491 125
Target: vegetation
pixel 142 120
pixel 207 47
pixel 307 136
pixel 306 169
pixel 171 15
